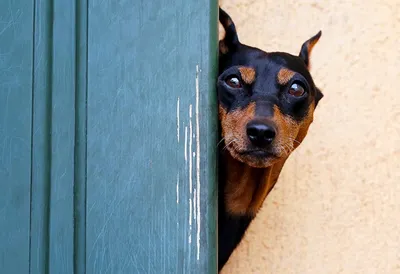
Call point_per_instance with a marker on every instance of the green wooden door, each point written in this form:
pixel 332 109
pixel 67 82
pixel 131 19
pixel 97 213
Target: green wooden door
pixel 16 61
pixel 108 136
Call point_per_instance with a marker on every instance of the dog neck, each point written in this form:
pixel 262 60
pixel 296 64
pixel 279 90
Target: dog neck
pixel 245 188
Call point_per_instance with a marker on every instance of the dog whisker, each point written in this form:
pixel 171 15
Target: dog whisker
pixel 228 144
pixel 287 149
pixel 294 140
pixel 290 148
pixel 220 141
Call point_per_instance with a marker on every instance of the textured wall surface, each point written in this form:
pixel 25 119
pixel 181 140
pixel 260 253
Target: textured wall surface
pixel 336 207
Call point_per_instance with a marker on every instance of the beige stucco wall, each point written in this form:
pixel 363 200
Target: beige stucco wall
pixel 336 207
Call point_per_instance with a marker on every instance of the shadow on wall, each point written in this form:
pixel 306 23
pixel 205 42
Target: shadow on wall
pixel 336 206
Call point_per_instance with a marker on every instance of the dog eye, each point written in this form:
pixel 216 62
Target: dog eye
pixel 296 90
pixel 233 82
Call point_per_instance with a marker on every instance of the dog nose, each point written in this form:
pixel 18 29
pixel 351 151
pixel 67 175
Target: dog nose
pixel 260 134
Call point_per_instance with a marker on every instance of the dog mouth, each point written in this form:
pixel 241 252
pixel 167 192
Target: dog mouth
pixel 255 157
pixel 258 153
pixel 258 158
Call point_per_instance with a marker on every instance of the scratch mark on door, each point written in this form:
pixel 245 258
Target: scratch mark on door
pixel 190 173
pixel 198 161
pixel 186 133
pixel 177 189
pixel 194 205
pixel 177 120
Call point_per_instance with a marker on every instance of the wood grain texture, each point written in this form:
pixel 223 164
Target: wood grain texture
pixel 16 40
pixel 150 188
pixel 108 137
pixel 61 224
pixel 41 137
pixel 59 143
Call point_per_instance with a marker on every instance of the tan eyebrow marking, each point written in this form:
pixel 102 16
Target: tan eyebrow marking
pixel 248 74
pixel 284 76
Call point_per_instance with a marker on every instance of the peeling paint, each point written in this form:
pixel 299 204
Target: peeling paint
pixel 186 133
pixel 192 153
pixel 194 205
pixel 190 149
pixel 177 189
pixel 177 120
pixel 190 174
pixel 177 136
pixel 198 160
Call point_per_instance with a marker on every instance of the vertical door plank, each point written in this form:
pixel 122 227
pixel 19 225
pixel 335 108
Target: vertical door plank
pixel 151 129
pixel 41 138
pixel 16 42
pixel 63 84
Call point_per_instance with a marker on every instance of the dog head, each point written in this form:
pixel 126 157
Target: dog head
pixel 266 100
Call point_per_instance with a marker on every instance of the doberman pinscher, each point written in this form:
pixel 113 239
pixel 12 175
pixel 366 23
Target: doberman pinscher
pixel 266 105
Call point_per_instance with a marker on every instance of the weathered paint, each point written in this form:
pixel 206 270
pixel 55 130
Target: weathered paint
pixel 198 186
pixel 91 137
pixel 177 120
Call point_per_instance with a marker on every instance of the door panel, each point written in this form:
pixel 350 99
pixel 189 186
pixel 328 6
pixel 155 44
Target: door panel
pixel 16 41
pixel 108 136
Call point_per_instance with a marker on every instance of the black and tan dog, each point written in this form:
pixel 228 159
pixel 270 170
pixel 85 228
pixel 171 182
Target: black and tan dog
pixel 266 105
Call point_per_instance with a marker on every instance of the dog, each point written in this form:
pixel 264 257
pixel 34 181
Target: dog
pixel 266 105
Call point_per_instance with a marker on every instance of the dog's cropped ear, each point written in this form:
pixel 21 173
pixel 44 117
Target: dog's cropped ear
pixel 318 95
pixel 307 47
pixel 231 40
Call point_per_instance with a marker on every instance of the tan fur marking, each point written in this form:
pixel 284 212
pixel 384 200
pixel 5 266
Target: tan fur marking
pixel 264 189
pixel 290 132
pixel 284 76
pixel 246 187
pixel 239 188
pixel 234 122
pixel 311 44
pixel 248 74
pixel 287 129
